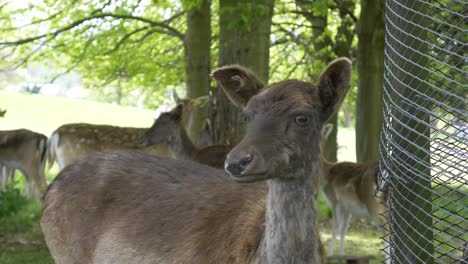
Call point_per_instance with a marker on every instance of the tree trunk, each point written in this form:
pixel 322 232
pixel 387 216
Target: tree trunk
pixel 371 34
pixel 244 38
pixel 408 161
pixel 197 62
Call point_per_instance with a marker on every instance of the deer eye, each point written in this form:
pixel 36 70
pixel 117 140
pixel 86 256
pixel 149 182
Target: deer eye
pixel 302 120
pixel 245 118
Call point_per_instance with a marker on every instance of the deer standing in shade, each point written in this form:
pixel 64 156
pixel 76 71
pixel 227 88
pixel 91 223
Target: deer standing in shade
pixel 350 189
pixel 168 130
pixel 131 207
pixel 70 142
pixel 24 150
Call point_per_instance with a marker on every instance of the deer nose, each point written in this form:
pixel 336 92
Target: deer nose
pixel 236 167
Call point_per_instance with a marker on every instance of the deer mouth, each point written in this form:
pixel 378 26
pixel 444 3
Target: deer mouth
pixel 247 178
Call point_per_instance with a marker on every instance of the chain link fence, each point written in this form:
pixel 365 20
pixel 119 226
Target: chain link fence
pixel 424 142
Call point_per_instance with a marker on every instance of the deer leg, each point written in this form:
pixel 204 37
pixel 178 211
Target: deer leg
pixel 4 177
pixel 335 227
pixel 7 175
pixel 344 228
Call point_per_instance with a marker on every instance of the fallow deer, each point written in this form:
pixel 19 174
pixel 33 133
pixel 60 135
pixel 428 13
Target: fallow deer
pixel 350 188
pixel 168 130
pixel 70 142
pixel 131 207
pixel 24 150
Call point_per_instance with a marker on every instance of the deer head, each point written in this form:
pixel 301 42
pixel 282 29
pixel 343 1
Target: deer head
pixel 162 130
pixel 284 119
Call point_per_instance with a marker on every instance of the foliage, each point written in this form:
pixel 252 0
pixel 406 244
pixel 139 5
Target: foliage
pixel 11 201
pixel 21 238
pixel 134 47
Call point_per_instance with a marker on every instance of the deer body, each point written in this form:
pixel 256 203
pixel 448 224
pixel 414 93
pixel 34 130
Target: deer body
pixel 24 150
pixel 350 189
pixel 176 211
pixel 70 142
pixel 165 195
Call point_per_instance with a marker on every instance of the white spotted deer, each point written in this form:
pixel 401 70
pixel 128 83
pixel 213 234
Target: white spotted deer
pixel 350 188
pixel 168 130
pixel 25 151
pixel 70 142
pixel 131 207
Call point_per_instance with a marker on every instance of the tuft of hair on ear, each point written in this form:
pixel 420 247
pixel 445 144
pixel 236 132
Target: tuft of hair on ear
pixel 239 83
pixel 177 112
pixel 334 83
pixel 326 131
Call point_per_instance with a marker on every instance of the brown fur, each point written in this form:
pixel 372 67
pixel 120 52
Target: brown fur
pixel 213 155
pixel 70 142
pixel 24 150
pixel 178 211
pixel 350 189
pixel 168 130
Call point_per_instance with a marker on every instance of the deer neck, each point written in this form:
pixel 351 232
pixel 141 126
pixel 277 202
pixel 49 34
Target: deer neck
pixel 325 167
pixel 185 149
pixel 291 235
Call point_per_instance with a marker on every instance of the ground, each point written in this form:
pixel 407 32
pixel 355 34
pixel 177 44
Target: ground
pixel 21 240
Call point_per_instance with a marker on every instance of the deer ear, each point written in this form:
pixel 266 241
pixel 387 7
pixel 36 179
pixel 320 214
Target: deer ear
pixel 326 130
pixel 177 112
pixel 239 83
pixel 175 96
pixel 333 85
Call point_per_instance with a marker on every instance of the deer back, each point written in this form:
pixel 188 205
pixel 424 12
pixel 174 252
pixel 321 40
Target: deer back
pixel 71 142
pixel 165 193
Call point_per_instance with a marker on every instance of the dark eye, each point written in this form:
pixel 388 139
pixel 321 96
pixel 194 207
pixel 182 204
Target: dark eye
pixel 245 118
pixel 302 120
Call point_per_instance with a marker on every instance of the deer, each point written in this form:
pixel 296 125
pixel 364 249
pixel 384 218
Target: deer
pixel 70 142
pixel 260 209
pixel 350 189
pixel 2 112
pixel 168 130
pixel 24 150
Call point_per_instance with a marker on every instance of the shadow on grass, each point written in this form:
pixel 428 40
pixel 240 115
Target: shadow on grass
pixel 21 240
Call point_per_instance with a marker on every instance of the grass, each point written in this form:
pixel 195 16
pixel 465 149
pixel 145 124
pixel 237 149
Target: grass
pixel 21 239
pixel 361 240
pixel 45 113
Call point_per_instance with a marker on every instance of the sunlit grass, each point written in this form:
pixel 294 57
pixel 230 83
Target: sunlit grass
pixel 362 239
pixel 45 113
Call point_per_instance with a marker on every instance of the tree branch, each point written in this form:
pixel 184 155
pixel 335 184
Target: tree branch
pixel 75 63
pixel 123 39
pixel 341 6
pixel 170 30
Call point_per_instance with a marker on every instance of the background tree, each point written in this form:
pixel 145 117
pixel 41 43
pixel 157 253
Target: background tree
pixel 369 105
pixel 244 38
pixel 197 61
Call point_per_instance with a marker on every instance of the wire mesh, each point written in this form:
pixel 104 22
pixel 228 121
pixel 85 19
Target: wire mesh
pixel 424 141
